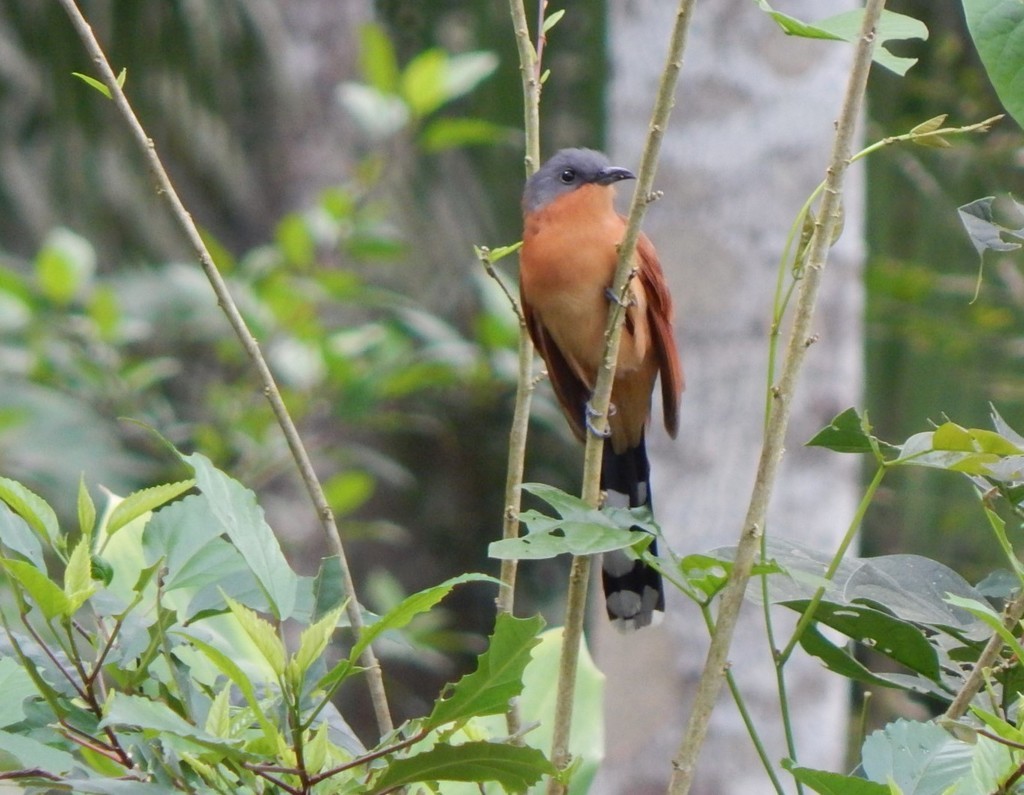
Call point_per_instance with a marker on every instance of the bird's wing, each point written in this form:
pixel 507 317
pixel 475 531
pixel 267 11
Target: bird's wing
pixel 571 392
pixel 659 314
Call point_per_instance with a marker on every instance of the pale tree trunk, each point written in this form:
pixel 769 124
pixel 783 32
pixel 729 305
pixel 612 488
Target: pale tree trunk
pixel 749 141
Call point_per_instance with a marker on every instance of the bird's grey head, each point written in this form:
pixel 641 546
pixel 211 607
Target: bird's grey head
pixel 567 170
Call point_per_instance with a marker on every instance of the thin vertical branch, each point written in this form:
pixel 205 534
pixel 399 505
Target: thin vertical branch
pixel 184 220
pixel 529 67
pixel 624 272
pixel 684 763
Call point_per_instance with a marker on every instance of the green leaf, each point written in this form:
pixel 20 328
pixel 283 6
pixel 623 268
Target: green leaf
pixel 886 634
pixel 218 718
pixel 422 83
pixel 328 587
pixel 580 530
pixel 65 266
pixel 86 509
pixel 262 634
pixel 232 671
pixel 317 748
pixel 379 114
pixel 498 677
pixel 411 607
pixel 987 234
pixel 17 536
pixel 233 507
pixel 997 27
pixel 31 754
pixel 826 783
pixel 840 661
pixel 295 240
pixel 446 133
pixel 552 19
pixel 99 85
pixel 995 621
pixel 32 508
pixel 314 640
pixel 16 685
pixel 433 78
pixel 917 757
pixel 846 27
pixel 156 717
pixel 515 768
pixel 849 432
pixel 44 592
pixel 78 584
pixel 347 491
pixel 377 60
pixel 141 502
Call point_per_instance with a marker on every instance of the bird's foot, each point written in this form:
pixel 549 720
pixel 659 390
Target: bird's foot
pixel 590 415
pixel 626 303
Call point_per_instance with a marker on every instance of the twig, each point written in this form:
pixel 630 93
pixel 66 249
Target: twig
pixel 166 189
pixel 684 763
pixel 529 68
pixel 624 271
pixel 958 708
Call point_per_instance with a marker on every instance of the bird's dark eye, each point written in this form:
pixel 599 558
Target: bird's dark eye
pixel 568 176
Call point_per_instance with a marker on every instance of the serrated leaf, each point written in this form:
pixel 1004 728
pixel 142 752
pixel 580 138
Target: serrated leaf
pixel 140 502
pixel 498 677
pixel 411 607
pixel 235 510
pixel 314 640
pixel 78 584
pixel 997 28
pixel 919 758
pixel 86 509
pixel 44 592
pixel 262 634
pixel 32 508
pixel 514 767
pixel 232 671
pixel 218 719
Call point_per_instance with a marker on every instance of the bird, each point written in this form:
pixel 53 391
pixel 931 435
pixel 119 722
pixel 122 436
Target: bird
pixel 571 235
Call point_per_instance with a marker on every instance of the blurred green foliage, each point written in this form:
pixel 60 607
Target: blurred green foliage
pixel 931 351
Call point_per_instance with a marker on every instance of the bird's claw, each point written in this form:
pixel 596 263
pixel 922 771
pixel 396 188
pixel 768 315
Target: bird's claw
pixel 590 415
pixel 611 296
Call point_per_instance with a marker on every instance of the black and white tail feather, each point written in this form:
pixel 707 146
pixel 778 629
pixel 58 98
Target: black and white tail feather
pixel 633 591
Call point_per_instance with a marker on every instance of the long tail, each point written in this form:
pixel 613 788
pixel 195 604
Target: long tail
pixel 633 591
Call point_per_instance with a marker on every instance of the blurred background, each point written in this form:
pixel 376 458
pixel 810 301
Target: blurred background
pixel 342 160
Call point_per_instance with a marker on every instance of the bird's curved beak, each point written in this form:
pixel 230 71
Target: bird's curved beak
pixel 613 174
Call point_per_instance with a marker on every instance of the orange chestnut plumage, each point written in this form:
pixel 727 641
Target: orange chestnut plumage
pixel 571 236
